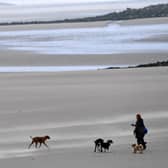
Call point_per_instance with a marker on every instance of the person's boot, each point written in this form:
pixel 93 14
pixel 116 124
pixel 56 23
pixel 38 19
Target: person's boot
pixel 144 145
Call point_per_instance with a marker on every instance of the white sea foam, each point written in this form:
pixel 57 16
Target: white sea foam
pixel 103 40
pixel 55 68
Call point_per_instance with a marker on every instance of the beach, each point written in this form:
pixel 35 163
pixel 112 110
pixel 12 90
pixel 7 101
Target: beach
pixel 76 107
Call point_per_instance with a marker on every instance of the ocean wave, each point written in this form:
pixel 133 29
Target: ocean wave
pixel 101 40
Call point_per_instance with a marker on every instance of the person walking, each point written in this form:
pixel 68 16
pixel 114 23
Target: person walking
pixel 140 130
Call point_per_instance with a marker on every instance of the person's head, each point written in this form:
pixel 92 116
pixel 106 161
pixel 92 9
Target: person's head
pixel 138 117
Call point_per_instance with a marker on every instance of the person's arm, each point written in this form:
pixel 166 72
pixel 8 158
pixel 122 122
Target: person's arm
pixel 133 125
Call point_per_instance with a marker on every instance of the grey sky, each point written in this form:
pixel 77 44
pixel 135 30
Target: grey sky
pixel 30 2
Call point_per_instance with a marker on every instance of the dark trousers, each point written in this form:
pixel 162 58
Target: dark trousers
pixel 140 140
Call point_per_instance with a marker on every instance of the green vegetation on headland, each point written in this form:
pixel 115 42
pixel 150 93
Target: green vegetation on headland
pixel 155 64
pixel 160 10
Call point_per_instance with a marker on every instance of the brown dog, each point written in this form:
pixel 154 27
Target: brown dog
pixel 137 148
pixel 40 140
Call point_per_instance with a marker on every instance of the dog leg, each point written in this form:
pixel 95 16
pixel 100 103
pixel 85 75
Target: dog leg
pixel 30 145
pixel 45 144
pixel 95 148
pixel 40 145
pixel 101 149
pixel 36 144
pixel 141 152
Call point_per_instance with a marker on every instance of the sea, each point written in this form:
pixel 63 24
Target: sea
pixel 110 39
pixel 113 38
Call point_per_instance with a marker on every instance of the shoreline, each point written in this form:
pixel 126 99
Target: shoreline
pixel 140 21
pixel 36 69
pixel 146 21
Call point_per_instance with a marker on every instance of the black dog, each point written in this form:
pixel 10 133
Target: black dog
pixel 98 145
pixel 106 145
pixel 101 146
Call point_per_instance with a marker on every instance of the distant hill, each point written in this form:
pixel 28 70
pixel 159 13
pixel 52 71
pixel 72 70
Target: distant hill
pixel 160 10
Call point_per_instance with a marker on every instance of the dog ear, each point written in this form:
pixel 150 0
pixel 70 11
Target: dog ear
pixel 133 145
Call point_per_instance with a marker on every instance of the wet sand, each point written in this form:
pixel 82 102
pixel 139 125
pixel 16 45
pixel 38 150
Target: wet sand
pixel 75 108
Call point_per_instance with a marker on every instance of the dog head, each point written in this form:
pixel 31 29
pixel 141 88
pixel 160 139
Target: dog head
pixel 110 141
pixel 137 148
pixel 47 137
pixel 134 145
pixel 99 141
pixel 140 147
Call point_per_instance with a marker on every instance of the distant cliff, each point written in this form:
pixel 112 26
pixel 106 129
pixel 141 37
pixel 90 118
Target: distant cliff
pixel 160 10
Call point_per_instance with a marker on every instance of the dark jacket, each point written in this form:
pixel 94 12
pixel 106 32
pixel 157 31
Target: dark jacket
pixel 139 128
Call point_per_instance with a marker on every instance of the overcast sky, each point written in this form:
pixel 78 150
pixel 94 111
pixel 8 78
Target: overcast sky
pixel 30 2
pixel 53 1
